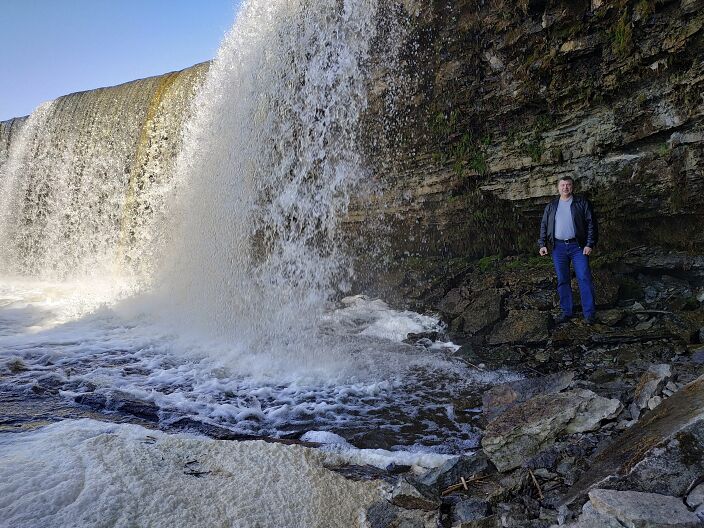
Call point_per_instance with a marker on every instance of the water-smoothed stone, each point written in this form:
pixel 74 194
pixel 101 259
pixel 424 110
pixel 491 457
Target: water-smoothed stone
pixel 521 326
pixel 500 397
pixel 662 453
pixel 449 473
pixel 411 495
pixel 643 510
pixel 529 427
pixel 121 402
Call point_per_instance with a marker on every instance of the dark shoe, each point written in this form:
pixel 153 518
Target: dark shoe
pixel 562 318
pixel 590 320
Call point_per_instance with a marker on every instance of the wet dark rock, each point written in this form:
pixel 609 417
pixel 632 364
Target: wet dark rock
pixel 449 473
pixel 453 304
pixel 500 397
pixel 382 514
pixel 643 510
pixel 411 495
pixel 120 402
pixel 521 326
pixel 15 366
pixel 397 469
pixel 421 338
pixel 483 311
pixel 49 384
pixel 363 473
pixel 468 510
pixel 92 400
pixel 661 453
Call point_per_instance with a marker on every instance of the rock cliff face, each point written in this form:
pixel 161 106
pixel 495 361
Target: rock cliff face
pixel 502 98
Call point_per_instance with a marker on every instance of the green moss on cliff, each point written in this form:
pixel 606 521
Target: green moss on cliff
pixel 622 36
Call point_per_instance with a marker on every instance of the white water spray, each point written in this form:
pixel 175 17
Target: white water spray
pixel 269 162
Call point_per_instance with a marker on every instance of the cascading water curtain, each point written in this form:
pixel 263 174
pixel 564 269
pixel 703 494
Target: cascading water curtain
pixel 270 159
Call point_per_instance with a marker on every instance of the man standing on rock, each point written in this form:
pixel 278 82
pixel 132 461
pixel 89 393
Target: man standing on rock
pixel 569 226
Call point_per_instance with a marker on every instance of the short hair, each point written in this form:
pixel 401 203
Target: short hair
pixel 565 178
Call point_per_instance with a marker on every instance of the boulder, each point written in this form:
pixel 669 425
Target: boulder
pixel 590 518
pixel 382 514
pixel 521 326
pixel 649 385
pixel 643 510
pixel 449 473
pixel 412 496
pixel 454 303
pixel 482 312
pixel 470 513
pixel 695 498
pixel 500 397
pixel 663 453
pixel 531 426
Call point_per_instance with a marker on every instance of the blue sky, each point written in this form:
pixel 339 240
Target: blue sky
pixel 54 47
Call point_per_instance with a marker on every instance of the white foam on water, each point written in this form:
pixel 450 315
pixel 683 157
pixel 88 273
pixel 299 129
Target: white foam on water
pixel 93 474
pixel 385 384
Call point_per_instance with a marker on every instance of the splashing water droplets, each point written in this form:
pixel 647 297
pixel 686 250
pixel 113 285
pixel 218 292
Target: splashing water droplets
pixel 269 163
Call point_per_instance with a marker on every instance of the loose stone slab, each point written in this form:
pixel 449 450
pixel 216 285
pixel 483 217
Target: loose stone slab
pixel 500 397
pixel 649 385
pixel 409 496
pixel 643 510
pixel 451 471
pixel 521 326
pixel 661 453
pixel 529 427
pixel 483 311
pixel 590 518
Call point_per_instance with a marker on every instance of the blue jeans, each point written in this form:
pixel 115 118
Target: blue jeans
pixel 562 255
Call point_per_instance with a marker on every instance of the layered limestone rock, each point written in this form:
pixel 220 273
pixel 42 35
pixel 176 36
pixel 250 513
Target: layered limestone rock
pixel 501 99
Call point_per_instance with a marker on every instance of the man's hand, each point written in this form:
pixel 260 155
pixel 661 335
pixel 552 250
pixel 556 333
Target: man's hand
pixel 544 251
pixel 587 250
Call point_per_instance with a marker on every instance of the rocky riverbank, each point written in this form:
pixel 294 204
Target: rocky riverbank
pixel 607 429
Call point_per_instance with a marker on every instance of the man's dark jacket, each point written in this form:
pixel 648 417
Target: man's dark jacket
pixel 585 226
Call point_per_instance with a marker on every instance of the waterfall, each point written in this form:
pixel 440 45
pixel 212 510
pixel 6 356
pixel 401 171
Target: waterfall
pixel 82 185
pixel 269 162
pixel 217 195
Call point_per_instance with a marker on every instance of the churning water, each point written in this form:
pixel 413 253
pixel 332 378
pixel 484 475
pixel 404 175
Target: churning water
pixel 197 275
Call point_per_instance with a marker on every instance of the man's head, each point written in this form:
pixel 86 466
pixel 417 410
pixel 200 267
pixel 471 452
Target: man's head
pixel 565 186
